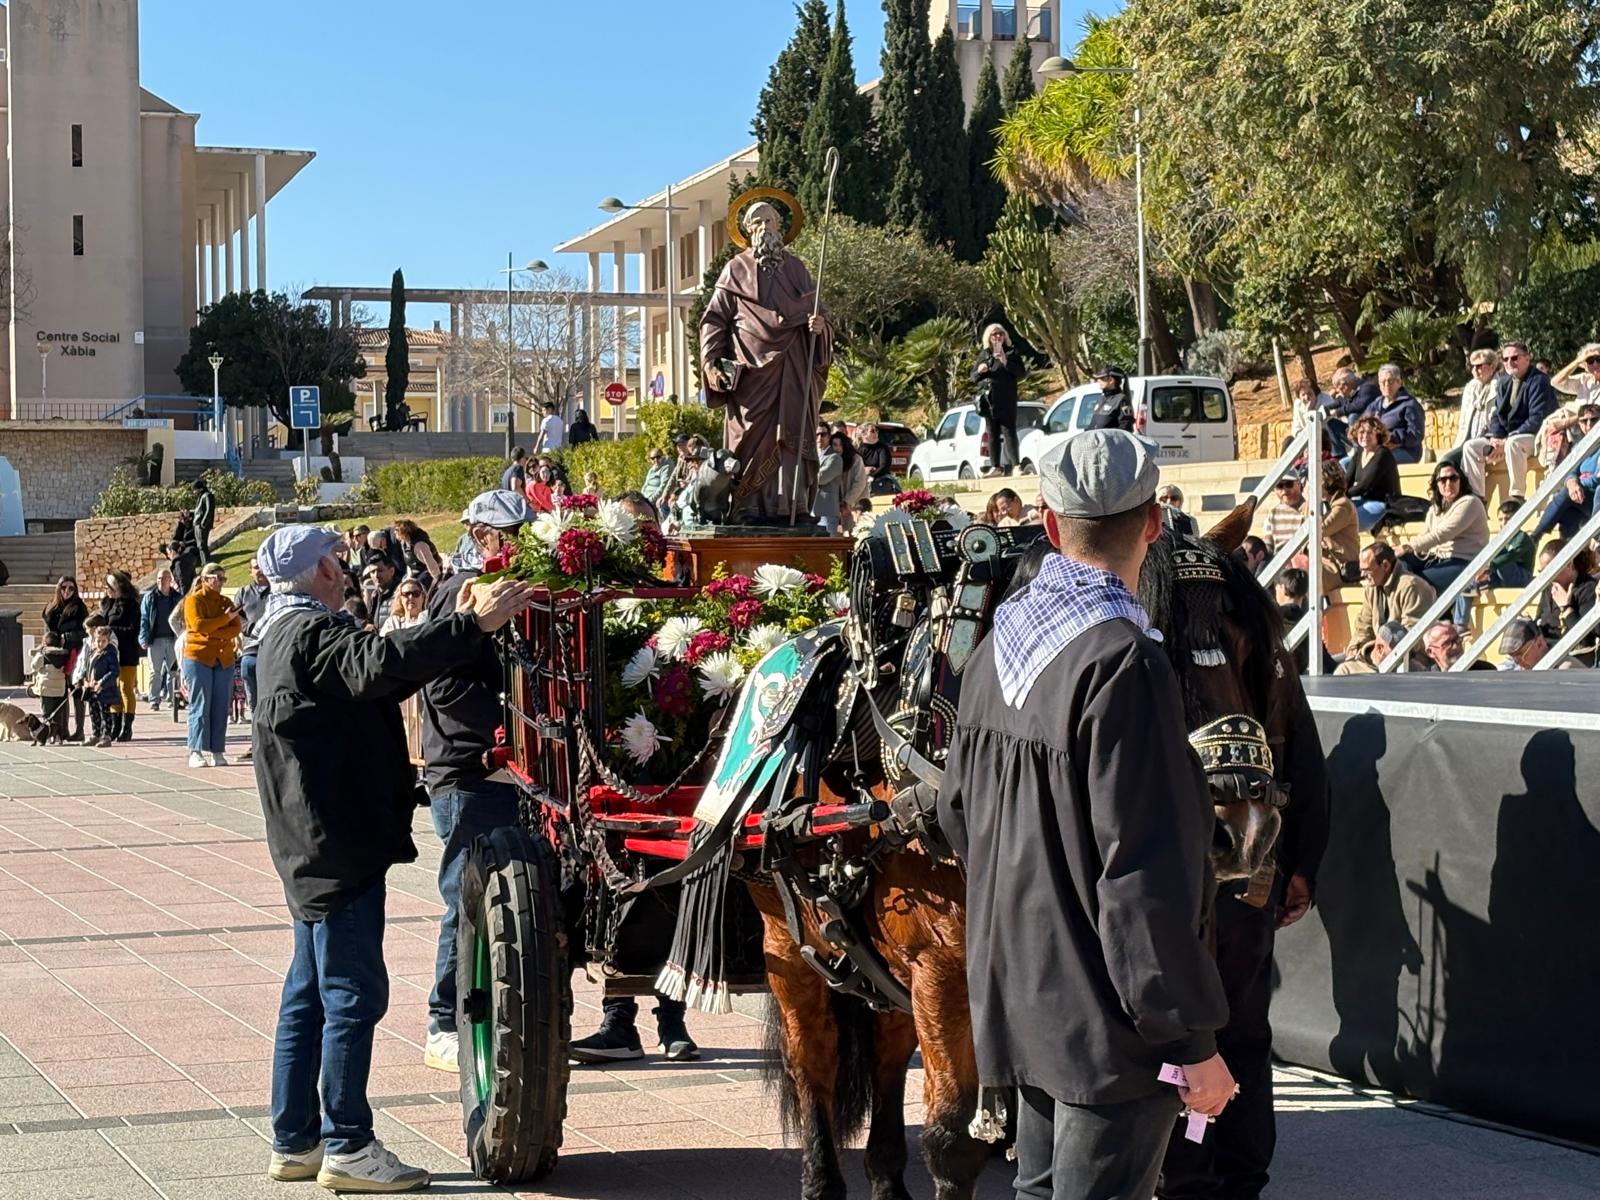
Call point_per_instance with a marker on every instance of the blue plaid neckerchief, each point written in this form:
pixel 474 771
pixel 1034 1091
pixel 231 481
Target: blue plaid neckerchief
pixel 1064 599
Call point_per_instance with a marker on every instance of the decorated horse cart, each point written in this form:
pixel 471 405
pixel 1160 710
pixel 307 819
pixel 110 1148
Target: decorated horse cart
pixel 728 786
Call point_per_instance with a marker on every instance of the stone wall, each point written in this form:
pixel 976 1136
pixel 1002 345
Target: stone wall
pixel 64 470
pixel 105 544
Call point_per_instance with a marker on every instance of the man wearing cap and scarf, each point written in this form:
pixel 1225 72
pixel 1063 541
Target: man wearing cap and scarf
pixel 1084 821
pixel 338 792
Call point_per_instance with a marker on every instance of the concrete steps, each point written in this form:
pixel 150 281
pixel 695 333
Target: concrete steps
pixel 38 557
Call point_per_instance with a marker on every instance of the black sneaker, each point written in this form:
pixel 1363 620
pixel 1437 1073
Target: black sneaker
pixel 612 1042
pixel 676 1044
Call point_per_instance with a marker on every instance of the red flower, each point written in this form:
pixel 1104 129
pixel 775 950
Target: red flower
pixel 914 499
pixel 582 502
pixel 744 614
pixel 579 550
pixel 707 641
pixel 815 582
pixel 652 545
pixel 675 691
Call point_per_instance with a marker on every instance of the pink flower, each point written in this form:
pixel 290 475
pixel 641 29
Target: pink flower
pixel 652 545
pixel 744 614
pixel 914 499
pixel 579 550
pixel 707 641
pixel 675 691
pixel 815 583
pixel 582 502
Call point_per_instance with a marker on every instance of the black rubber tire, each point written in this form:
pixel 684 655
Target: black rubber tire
pixel 510 891
pixel 966 472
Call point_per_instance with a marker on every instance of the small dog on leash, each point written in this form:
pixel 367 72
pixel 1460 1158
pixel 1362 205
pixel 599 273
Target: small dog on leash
pixel 19 726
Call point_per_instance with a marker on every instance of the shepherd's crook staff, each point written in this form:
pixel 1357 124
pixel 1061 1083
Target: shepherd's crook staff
pixel 830 164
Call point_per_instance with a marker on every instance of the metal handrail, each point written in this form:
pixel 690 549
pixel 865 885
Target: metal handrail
pixel 1580 629
pixel 1284 461
pixel 1313 525
pixel 1399 657
pixel 1273 567
pixel 1531 591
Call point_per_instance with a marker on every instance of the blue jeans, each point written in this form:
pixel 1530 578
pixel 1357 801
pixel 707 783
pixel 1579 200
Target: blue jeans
pixel 1405 457
pixel 1564 514
pixel 460 815
pixel 247 672
pixel 335 993
pixel 1369 513
pixel 210 697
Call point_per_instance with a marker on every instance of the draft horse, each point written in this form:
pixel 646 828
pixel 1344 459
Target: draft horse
pixel 844 1061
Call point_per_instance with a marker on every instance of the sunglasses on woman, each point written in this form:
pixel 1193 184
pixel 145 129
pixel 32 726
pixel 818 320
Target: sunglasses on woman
pixel 412 595
pixel 1449 479
pixel 1592 361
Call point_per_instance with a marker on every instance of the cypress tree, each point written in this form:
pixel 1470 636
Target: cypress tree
pixel 789 97
pixel 987 195
pixel 1018 85
pixel 948 175
pixel 397 358
pixel 907 63
pixel 842 117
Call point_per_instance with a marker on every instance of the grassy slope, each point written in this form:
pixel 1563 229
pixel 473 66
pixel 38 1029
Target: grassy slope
pixel 444 528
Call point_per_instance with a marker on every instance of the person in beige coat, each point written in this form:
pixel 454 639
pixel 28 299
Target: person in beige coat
pixel 1388 594
pixel 1456 528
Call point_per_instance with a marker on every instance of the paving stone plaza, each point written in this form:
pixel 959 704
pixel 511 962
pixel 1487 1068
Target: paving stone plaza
pixel 143 939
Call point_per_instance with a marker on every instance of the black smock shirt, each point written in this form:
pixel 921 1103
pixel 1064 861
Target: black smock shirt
pixel 337 786
pixel 461 709
pixel 1084 821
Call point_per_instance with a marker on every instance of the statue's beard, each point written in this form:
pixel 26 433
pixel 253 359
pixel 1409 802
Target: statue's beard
pixel 768 248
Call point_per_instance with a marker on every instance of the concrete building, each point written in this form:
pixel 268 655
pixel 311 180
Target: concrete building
pixel 119 226
pixel 680 229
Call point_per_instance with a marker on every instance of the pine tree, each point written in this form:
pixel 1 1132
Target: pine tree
pixel 903 145
pixel 948 174
pixel 842 117
pixel 397 358
pixel 790 96
pixel 987 195
pixel 1018 85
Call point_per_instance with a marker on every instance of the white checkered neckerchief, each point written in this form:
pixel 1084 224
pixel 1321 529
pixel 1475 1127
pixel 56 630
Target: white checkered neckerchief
pixel 1065 598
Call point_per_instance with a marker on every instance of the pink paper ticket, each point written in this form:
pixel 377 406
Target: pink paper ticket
pixel 1195 1131
pixel 1173 1075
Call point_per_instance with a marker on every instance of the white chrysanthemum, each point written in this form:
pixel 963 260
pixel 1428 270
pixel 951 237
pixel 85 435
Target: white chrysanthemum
pixel 642 666
pixel 765 637
pixel 672 639
pixel 641 739
pixel 958 518
pixel 548 527
pixel 774 580
pixel 836 602
pixel 617 525
pixel 628 613
pixel 720 674
pixel 865 524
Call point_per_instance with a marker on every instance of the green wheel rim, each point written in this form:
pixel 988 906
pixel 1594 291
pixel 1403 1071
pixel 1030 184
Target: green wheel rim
pixel 482 1028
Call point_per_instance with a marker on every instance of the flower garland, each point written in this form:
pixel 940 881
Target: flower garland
pixel 684 660
pixel 584 542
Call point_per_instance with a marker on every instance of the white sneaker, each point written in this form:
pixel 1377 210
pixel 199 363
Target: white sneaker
pixel 292 1168
pixel 219 760
pixel 197 759
pixel 370 1169
pixel 443 1052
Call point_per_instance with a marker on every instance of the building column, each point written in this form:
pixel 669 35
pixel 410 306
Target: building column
pixel 646 349
pixel 619 284
pixel 199 266
pixel 244 232
pixel 229 220
pixel 591 338
pixel 207 279
pixel 218 290
pixel 261 222
pixel 692 336
pixel 985 28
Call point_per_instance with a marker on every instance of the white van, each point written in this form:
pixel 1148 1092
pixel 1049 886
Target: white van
pixel 1190 417
pixel 958 447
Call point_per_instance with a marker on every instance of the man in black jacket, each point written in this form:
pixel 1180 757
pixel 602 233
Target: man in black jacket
pixel 338 792
pixel 205 516
pixel 1084 819
pixel 1523 399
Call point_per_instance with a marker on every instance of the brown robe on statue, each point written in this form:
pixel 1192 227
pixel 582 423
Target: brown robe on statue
pixel 758 319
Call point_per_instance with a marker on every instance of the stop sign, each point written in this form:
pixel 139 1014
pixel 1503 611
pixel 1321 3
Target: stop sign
pixel 616 393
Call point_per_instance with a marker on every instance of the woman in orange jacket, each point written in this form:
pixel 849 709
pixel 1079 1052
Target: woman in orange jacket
pixel 210 645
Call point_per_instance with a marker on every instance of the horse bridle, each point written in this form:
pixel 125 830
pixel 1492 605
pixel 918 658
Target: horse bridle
pixel 1237 745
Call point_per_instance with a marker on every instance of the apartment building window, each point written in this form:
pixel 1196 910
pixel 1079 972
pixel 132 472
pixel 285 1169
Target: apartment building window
pixel 719 237
pixel 1039 28
pixel 1004 18
pixel 77 145
pixel 658 268
pixel 969 22
pixel 77 235
pixel 689 256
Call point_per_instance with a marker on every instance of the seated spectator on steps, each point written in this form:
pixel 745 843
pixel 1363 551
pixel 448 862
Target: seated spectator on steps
pixel 1285 516
pixel 1512 567
pixel 1384 639
pixel 1443 643
pixel 1477 402
pixel 1523 399
pixel 1400 413
pixel 1341 540
pixel 1374 474
pixel 1252 552
pixel 1573 502
pixel 1290 592
pixel 1570 595
pixel 1387 594
pixel 1170 497
pixel 1455 529
pixel 1524 645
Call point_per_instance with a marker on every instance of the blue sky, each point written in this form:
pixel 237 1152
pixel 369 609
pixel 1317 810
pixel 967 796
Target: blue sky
pixel 449 134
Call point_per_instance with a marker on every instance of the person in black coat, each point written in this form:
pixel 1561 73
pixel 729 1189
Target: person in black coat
pixel 205 516
pixel 183 553
pixel 338 792
pixel 581 430
pixel 120 608
pixel 999 367
pixel 64 616
pixel 1114 408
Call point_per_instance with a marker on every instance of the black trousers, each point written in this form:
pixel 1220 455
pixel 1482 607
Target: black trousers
pixel 1091 1151
pixel 1232 1162
pixel 1003 443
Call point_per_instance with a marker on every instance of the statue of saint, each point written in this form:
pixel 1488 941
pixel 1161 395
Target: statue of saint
pixel 755 342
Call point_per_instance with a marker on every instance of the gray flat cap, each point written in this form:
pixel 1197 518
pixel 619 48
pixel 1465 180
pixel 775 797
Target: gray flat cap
pixel 1517 635
pixel 1390 633
pixel 497 509
pixel 1099 473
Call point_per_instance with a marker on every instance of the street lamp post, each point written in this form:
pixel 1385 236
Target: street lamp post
pixel 612 205
pixel 534 267
pixel 1057 67
pixel 44 374
pixel 216 361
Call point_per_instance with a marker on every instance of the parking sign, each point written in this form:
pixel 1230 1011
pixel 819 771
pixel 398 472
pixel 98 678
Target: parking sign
pixel 305 407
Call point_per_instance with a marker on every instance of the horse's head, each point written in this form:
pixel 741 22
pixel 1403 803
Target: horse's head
pixel 1222 634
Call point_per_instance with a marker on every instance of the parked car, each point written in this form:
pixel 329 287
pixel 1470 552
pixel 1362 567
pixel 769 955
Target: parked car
pixel 958 447
pixel 1190 417
pixel 901 440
